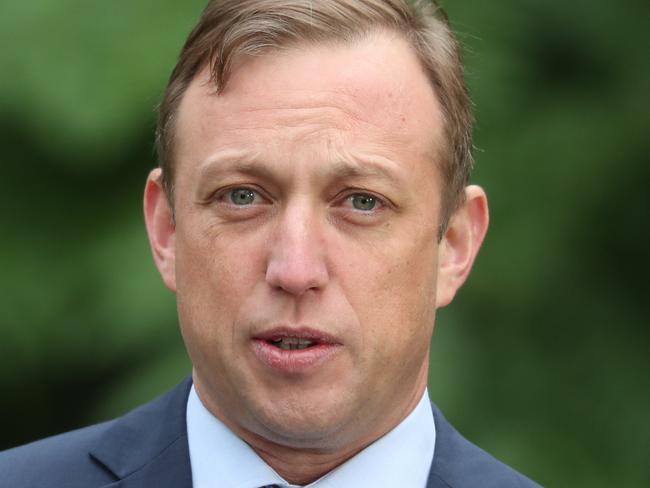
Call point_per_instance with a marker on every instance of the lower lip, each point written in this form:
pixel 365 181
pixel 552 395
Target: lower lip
pixel 293 361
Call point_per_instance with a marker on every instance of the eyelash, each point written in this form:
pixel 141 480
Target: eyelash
pixel 380 203
pixel 345 199
pixel 223 194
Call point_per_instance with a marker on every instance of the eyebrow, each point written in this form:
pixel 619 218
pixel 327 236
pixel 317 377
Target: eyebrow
pixel 241 162
pixel 249 163
pixel 362 168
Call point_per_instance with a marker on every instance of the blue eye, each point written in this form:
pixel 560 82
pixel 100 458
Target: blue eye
pixel 242 196
pixel 363 201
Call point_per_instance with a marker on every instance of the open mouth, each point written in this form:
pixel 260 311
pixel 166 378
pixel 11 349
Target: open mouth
pixel 292 343
pixel 291 350
pixel 291 339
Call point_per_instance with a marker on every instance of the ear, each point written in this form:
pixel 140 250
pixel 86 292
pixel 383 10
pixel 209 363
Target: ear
pixel 160 228
pixel 460 244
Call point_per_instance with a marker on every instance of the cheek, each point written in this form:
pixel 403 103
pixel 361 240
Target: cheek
pixel 215 273
pixel 393 289
pixel 394 296
pixel 213 257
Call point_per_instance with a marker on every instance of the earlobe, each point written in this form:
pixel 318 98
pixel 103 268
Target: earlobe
pixel 461 243
pixel 160 228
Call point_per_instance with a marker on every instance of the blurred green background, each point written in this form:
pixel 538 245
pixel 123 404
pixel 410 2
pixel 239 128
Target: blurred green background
pixel 543 359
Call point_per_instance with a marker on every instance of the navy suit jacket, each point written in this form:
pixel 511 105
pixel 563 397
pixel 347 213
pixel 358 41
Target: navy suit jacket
pixel 148 447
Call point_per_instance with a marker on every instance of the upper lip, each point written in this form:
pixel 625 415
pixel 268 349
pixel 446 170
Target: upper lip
pixel 299 333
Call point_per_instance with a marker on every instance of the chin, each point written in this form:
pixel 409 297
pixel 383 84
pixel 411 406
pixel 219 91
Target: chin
pixel 304 424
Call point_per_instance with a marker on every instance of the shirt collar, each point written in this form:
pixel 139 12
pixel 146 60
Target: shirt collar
pixel 220 458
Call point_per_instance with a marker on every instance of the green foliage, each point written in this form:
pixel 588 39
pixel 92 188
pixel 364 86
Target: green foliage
pixel 543 357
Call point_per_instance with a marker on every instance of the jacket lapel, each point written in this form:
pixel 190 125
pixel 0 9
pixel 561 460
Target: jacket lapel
pixel 458 463
pixel 148 446
pixel 171 469
pixel 446 445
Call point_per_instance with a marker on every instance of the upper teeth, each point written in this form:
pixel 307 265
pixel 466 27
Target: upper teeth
pixel 287 343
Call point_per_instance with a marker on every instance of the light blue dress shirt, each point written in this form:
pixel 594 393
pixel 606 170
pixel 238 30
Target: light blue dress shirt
pixel 401 458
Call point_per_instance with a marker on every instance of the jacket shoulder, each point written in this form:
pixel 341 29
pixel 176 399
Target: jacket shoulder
pixel 101 454
pixel 61 460
pixel 457 463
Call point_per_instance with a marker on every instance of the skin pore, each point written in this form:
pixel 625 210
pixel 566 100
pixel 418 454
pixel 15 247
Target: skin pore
pixel 307 205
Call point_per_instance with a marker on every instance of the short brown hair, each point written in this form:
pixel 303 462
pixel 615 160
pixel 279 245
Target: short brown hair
pixel 231 28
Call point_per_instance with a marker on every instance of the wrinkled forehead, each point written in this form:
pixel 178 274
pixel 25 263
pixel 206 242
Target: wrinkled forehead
pixel 376 83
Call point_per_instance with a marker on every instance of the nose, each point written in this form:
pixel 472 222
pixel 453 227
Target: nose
pixel 296 262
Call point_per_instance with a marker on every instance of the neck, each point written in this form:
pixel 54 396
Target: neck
pixel 304 465
pixel 301 465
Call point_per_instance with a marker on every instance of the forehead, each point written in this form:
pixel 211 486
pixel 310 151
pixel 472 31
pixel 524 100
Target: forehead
pixel 371 92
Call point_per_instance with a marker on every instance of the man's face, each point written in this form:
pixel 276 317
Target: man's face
pixel 307 201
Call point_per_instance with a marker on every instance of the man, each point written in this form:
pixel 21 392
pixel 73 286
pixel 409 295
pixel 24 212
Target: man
pixel 311 213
